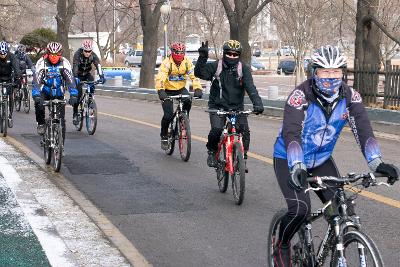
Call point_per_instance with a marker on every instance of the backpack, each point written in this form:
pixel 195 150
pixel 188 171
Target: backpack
pixel 218 73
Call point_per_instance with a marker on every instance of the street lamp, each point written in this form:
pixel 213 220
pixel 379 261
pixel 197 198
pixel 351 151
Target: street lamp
pixel 165 12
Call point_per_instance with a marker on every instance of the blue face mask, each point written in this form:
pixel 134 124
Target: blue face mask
pixel 328 86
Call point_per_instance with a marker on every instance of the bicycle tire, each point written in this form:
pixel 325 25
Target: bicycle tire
pixel 17 100
pixel 57 149
pixel 79 126
pixel 46 145
pixel 273 233
pixel 185 138
pixel 91 117
pixel 5 118
pixel 171 138
pixel 238 176
pixel 27 99
pixel 1 118
pixel 358 237
pixel 222 174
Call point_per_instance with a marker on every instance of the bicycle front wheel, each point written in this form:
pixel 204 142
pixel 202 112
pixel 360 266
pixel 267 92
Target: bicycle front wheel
pixel 185 139
pixel 46 145
pixel 359 250
pixel 27 99
pixel 58 146
pixel 238 176
pixel 91 117
pixel 222 174
pixel 4 115
pixel 17 100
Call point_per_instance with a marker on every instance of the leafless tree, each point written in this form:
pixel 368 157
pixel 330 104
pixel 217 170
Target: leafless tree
pixel 65 12
pixel 150 20
pixel 240 14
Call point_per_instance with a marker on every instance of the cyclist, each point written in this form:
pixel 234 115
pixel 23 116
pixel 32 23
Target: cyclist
pixel 53 71
pixel 314 115
pixel 230 80
pixel 83 60
pixel 171 80
pixel 9 72
pixel 24 60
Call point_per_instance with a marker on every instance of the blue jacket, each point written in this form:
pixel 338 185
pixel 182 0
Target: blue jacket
pixel 309 131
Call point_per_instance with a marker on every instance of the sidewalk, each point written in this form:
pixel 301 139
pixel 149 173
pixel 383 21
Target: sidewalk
pixel 40 225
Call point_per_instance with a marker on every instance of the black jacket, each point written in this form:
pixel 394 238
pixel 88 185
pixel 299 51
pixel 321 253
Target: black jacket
pixel 233 88
pixel 24 62
pixel 8 67
pixel 83 65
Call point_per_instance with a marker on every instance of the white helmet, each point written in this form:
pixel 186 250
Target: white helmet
pixel 87 45
pixel 328 57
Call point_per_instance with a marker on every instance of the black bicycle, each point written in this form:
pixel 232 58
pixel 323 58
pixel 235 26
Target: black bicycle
pixel 344 240
pixel 53 143
pixel 88 109
pixel 179 129
pixel 22 96
pixel 4 102
pixel 230 156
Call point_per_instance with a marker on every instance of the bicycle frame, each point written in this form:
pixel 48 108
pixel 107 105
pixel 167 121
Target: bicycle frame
pixel 54 116
pixel 178 111
pixel 229 137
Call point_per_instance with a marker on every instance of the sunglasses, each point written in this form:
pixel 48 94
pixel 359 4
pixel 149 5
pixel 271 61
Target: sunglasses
pixel 179 52
pixel 87 51
pixel 232 54
pixel 3 54
pixel 55 54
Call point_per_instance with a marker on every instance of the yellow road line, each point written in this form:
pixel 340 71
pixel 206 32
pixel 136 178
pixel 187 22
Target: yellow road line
pixel 367 194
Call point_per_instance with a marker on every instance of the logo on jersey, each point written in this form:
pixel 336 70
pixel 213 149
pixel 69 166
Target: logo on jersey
pixel 323 135
pixel 355 96
pixel 297 99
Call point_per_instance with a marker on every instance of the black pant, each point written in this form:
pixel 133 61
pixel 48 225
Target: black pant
pixel 299 204
pixel 40 113
pixel 168 107
pixel 217 125
pixel 89 78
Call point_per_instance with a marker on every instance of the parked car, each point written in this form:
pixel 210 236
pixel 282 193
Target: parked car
pixel 134 58
pixel 256 65
pixel 286 66
pixel 256 52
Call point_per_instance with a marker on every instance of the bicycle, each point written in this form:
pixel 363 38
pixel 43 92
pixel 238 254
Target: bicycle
pixel 52 141
pixel 22 96
pixel 179 129
pixel 4 123
pixel 230 156
pixel 87 108
pixel 348 245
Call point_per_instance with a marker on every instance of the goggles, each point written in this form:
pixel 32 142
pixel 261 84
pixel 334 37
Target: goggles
pixel 232 54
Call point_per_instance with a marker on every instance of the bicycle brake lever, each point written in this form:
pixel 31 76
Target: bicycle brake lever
pixel 383 183
pixel 314 189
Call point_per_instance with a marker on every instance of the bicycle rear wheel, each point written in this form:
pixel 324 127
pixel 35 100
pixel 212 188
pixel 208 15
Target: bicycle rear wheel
pixel 91 117
pixel 17 100
pixel 171 137
pixel 359 250
pixel 185 139
pixel 4 115
pixel 222 174
pixel 58 146
pixel 238 176
pixel 26 99
pixel 46 145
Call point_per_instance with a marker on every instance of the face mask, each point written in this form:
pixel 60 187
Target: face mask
pixel 329 87
pixel 54 58
pixel 178 58
pixel 230 62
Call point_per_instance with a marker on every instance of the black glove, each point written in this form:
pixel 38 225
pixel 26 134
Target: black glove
pixel 102 80
pixel 73 100
pixel 162 94
pixel 198 93
pixel 298 176
pixel 203 50
pixel 38 100
pixel 389 170
pixel 258 109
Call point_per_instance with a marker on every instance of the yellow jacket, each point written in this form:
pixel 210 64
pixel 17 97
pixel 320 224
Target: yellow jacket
pixel 170 77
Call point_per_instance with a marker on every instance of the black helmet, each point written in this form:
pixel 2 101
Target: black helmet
pixel 232 45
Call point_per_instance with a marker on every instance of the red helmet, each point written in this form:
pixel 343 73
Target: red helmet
pixel 178 52
pixel 87 45
pixel 54 52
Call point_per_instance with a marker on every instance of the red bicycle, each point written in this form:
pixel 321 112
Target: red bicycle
pixel 230 156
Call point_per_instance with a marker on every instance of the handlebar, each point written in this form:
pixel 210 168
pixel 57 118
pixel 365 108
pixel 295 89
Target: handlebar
pixel 177 97
pixel 230 112
pixel 7 83
pixel 368 179
pixel 55 101
pixel 91 82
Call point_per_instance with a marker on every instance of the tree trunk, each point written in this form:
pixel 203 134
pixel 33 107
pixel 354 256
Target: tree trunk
pixel 65 12
pixel 242 35
pixel 149 20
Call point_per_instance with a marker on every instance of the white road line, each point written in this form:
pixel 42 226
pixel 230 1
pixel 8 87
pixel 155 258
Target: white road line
pixel 55 249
